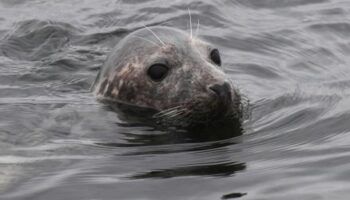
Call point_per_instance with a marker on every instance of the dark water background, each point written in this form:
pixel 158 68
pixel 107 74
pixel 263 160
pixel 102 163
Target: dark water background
pixel 289 57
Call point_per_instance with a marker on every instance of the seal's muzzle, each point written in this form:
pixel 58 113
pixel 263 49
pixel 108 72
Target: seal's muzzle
pixel 223 97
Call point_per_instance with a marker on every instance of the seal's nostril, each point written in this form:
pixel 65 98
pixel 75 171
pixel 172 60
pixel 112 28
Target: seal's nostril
pixel 221 90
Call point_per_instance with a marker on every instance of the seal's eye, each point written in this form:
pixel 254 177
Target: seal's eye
pixel 215 57
pixel 157 72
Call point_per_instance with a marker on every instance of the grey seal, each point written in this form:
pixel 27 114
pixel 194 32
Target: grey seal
pixel 172 72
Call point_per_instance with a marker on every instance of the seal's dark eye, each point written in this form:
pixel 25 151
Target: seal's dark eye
pixel 157 72
pixel 215 56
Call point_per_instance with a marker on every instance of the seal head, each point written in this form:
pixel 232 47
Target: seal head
pixel 167 70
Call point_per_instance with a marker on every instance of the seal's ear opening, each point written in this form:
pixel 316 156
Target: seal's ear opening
pixel 215 57
pixel 157 72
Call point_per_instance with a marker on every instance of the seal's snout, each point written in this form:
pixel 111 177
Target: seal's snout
pixel 223 96
pixel 222 91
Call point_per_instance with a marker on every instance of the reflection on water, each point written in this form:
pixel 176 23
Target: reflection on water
pixel 289 58
pixel 226 169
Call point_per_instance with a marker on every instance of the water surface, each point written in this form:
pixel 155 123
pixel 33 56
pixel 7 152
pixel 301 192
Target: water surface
pixel 289 58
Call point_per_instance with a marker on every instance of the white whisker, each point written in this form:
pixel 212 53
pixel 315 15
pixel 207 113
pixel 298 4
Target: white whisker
pixel 171 113
pixel 155 35
pixel 189 13
pixel 197 28
pixel 175 114
pixel 169 109
pixel 172 116
pixel 147 40
pixel 183 115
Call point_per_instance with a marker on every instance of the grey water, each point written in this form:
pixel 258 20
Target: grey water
pixel 290 58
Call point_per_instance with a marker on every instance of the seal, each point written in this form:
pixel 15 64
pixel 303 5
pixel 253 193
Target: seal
pixel 168 70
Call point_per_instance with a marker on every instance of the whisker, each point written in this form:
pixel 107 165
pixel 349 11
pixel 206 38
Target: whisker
pixel 169 109
pixel 163 114
pixel 183 116
pixel 147 40
pixel 189 13
pixel 197 28
pixel 170 114
pixel 175 114
pixel 155 35
pixel 172 117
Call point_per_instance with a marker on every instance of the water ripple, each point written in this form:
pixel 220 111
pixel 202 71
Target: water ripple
pixel 289 59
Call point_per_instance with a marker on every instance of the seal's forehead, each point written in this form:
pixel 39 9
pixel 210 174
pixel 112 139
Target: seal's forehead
pixel 166 35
